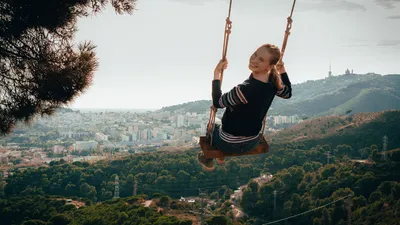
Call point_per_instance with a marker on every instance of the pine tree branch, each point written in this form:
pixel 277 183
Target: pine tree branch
pixel 40 70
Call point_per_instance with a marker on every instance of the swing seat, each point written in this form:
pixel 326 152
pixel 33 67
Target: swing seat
pixel 211 152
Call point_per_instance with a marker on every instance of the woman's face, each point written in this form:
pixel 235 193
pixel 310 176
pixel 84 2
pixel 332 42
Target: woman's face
pixel 260 60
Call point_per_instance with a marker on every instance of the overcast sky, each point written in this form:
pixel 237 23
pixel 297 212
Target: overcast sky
pixel 165 53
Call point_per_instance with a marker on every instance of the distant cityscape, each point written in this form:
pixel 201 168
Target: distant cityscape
pixel 90 136
pixel 94 134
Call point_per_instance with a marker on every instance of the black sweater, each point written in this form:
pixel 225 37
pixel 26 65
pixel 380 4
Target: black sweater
pixel 246 105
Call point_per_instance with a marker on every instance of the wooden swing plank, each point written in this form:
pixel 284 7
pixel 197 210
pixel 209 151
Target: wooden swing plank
pixel 211 152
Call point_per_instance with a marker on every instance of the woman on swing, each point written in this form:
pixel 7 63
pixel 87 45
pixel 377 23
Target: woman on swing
pixel 247 103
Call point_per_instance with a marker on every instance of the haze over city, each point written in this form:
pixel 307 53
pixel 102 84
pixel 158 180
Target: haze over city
pixel 165 52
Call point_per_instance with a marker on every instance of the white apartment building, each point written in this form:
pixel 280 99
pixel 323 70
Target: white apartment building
pixel 180 121
pixel 58 149
pixel 101 137
pixel 84 145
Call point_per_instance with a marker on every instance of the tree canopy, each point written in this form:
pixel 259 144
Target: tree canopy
pixel 41 68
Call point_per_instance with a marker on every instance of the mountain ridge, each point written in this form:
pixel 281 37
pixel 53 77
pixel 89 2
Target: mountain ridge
pixel 321 97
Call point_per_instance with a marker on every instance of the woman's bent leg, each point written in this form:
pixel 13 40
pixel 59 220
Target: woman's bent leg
pixel 208 164
pixel 218 143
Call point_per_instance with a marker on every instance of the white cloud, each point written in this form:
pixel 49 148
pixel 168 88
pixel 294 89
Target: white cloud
pixel 330 6
pixel 388 4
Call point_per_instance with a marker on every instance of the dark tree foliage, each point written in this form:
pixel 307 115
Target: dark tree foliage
pixel 41 68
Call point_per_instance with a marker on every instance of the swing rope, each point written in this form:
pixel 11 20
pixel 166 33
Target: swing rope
pixel 287 31
pixel 285 39
pixel 213 110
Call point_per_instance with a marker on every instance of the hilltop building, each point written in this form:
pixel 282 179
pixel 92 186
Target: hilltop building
pixel 347 72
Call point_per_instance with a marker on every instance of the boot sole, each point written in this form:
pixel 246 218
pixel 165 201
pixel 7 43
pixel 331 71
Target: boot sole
pixel 220 162
pixel 207 168
pixel 204 166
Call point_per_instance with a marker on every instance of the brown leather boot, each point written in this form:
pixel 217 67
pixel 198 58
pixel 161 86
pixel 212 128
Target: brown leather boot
pixel 207 164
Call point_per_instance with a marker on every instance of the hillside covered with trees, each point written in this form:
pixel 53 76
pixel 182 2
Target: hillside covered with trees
pixel 338 94
pixel 330 96
pixel 45 210
pixel 305 177
pixel 200 106
pixel 358 130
